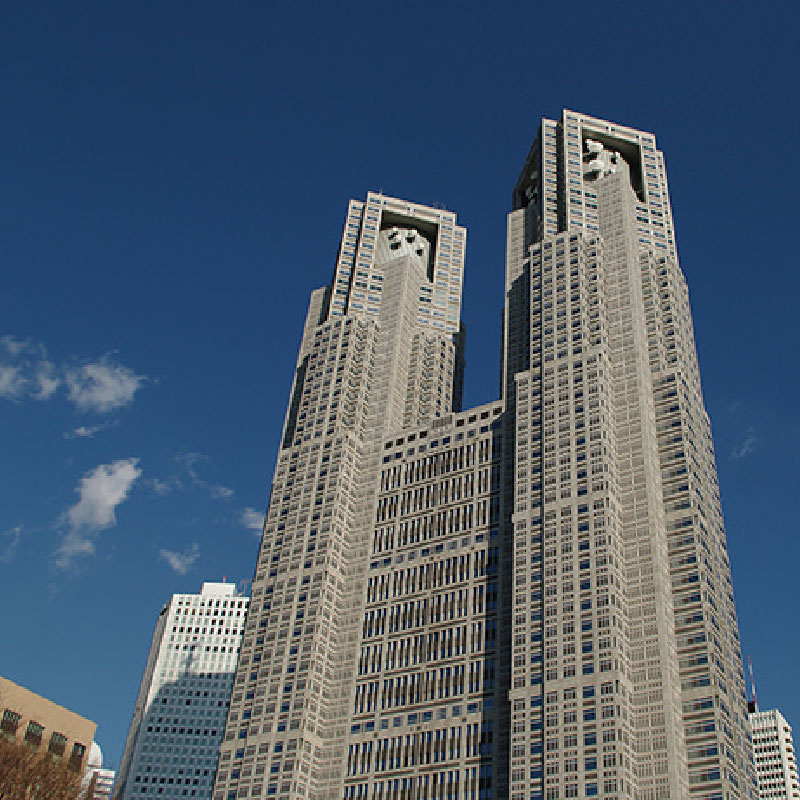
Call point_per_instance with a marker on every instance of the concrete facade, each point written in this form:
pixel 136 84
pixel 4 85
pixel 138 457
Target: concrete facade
pixel 429 716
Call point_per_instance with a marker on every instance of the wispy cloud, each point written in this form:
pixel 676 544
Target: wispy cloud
pixel 181 562
pixel 47 380
pixel 9 540
pixel 86 431
pixel 215 490
pixel 747 446
pixel 251 519
pixel 99 491
pixel 25 370
pixel 18 347
pixel 100 386
pixel 164 487
pixel 13 383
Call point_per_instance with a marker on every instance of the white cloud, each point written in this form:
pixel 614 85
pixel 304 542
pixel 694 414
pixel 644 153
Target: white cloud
pixel 99 493
pixel 747 446
pixel 9 540
pixel 181 562
pixel 251 519
pixel 99 386
pixel 102 386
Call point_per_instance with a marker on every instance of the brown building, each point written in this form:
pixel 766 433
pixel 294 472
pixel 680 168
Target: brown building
pixel 44 725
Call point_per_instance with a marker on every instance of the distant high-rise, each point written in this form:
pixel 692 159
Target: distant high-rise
pixel 103 783
pixel 776 761
pixel 173 743
pixel 527 600
pixel 103 778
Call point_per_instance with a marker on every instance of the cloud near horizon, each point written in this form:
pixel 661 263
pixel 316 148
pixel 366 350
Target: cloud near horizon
pixel 99 491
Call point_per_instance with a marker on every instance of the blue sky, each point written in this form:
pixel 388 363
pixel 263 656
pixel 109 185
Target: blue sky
pixel 173 183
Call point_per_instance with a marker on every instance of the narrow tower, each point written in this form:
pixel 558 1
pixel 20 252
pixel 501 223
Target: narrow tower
pixel 627 677
pixel 380 353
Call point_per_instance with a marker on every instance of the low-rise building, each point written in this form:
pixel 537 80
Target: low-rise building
pixel 44 725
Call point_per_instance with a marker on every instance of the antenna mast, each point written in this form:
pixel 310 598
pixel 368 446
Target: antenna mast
pixel 754 701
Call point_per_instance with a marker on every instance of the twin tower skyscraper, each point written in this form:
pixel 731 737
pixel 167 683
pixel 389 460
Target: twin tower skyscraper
pixel 530 599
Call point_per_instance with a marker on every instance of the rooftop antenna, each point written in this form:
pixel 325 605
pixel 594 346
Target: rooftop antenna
pixel 752 705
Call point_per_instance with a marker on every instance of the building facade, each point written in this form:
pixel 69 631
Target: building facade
pixel 429 715
pixel 173 742
pixel 45 726
pixel 530 599
pixel 776 762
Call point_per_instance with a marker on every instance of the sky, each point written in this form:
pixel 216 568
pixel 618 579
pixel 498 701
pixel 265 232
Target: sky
pixel 173 184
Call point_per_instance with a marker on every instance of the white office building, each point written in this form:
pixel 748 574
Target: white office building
pixel 776 763
pixel 173 743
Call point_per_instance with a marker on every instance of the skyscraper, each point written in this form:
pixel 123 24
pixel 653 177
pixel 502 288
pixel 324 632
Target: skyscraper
pixel 380 352
pixel 530 599
pixel 179 716
pixel 627 676
pixel 776 761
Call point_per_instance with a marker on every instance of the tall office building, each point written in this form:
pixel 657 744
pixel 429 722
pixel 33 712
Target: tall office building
pixel 776 761
pixel 179 716
pixel 530 599
pixel 380 353
pixel 627 675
